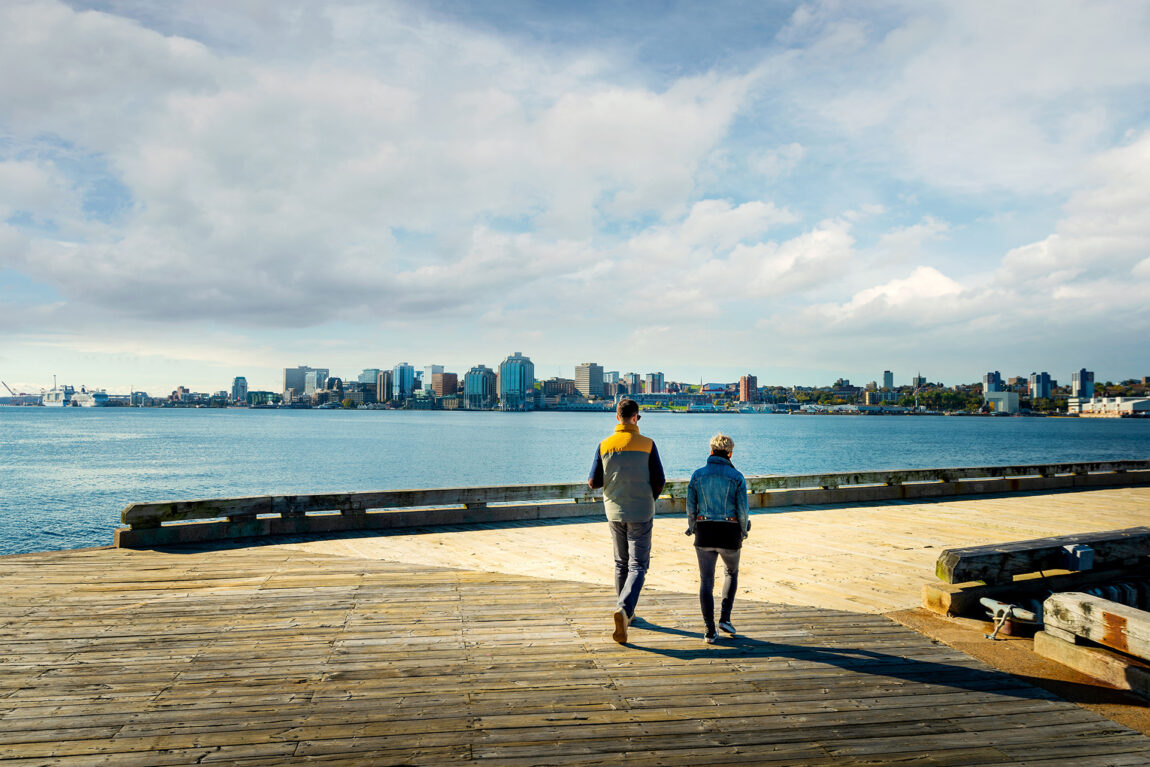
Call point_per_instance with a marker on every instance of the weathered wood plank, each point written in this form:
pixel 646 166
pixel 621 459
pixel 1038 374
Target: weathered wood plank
pixel 999 563
pixel 1113 625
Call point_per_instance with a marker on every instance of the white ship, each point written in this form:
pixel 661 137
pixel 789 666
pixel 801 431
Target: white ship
pixel 66 396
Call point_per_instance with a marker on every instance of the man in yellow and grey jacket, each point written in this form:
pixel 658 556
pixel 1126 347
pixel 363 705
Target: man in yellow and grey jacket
pixel 628 468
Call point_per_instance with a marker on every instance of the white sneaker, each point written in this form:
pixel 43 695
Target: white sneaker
pixel 709 637
pixel 727 627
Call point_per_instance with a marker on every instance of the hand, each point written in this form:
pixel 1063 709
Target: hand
pixel 689 531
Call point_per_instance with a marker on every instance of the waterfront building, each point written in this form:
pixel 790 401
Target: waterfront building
pixel 1016 383
pixel 479 392
pixel 444 384
pixel 517 383
pixel 1082 384
pixel 402 381
pixel 887 379
pixel 1002 401
pixel 369 376
pixel 313 381
pixel 992 382
pixel 240 389
pixel 383 386
pixel 295 379
pixel 748 388
pixel 654 384
pixel 633 382
pixel 1039 385
pixel 589 379
pixel 559 387
pixel 429 373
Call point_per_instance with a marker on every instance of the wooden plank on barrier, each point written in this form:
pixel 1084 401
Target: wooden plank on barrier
pixel 1110 624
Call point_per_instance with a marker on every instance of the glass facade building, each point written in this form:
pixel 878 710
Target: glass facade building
pixel 402 381
pixel 479 388
pixel 517 383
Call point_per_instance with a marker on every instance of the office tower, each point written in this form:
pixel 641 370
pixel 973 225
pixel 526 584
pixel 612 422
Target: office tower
pixel 748 388
pixel 887 379
pixel 1082 384
pixel 1040 385
pixel 634 385
pixel 402 381
pixel 654 383
pixel 444 384
pixel 992 382
pixel 611 376
pixel 429 373
pixel 589 379
pixel 295 379
pixel 369 376
pixel 479 392
pixel 240 389
pixel 383 391
pixel 314 380
pixel 517 383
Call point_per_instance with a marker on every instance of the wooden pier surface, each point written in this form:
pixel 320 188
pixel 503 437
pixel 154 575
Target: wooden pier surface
pixel 270 653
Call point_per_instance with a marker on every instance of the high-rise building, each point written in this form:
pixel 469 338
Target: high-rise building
pixel 748 388
pixel 383 391
pixel 653 383
pixel 517 383
pixel 369 376
pixel 1082 384
pixel 1040 385
pixel 479 392
pixel 589 379
pixel 992 382
pixel 295 379
pixel 633 382
pixel 402 381
pixel 611 376
pixel 887 379
pixel 313 380
pixel 444 384
pixel 240 389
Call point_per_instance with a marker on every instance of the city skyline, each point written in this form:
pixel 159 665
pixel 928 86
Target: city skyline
pixel 802 191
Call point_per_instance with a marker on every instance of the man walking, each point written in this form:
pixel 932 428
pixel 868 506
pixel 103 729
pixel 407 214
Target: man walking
pixel 628 469
pixel 717 517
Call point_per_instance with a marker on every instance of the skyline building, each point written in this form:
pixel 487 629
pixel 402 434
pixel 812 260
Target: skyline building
pixel 383 386
pixel 611 376
pixel 444 384
pixel 369 376
pixel 654 384
pixel 589 379
pixel 295 379
pixel 240 389
pixel 402 381
pixel 887 379
pixel 633 382
pixel 748 388
pixel 918 382
pixel 1040 385
pixel 517 383
pixel 314 380
pixel 1082 384
pixel 992 382
pixel 479 392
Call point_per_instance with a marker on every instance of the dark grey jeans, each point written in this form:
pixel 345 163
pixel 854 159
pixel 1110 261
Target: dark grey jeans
pixel 632 544
pixel 708 557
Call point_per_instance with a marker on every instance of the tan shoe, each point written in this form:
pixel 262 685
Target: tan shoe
pixel 621 621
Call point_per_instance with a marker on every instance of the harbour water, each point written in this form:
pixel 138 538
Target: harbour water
pixel 65 474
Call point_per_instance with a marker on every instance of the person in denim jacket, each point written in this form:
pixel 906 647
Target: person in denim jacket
pixel 717 517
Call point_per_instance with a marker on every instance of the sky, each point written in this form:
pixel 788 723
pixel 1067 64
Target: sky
pixel 194 191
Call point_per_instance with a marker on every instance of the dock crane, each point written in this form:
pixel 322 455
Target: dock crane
pixel 9 388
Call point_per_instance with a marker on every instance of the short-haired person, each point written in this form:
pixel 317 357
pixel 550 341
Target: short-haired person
pixel 628 468
pixel 717 517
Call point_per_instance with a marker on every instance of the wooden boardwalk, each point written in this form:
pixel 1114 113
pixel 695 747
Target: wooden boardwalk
pixel 279 653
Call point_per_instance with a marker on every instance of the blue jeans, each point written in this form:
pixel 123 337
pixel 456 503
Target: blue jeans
pixel 632 544
pixel 708 557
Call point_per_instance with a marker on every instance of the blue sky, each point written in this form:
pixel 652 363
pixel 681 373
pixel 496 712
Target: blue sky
pixel 803 191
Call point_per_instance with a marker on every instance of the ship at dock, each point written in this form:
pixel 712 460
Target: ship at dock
pixel 67 396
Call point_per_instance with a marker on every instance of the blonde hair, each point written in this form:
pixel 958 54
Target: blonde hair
pixel 721 443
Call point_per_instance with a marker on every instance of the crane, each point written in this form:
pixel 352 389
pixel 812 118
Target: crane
pixel 9 388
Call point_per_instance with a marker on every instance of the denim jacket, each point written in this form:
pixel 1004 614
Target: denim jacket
pixel 717 493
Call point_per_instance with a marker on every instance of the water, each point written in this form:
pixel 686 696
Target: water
pixel 66 474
